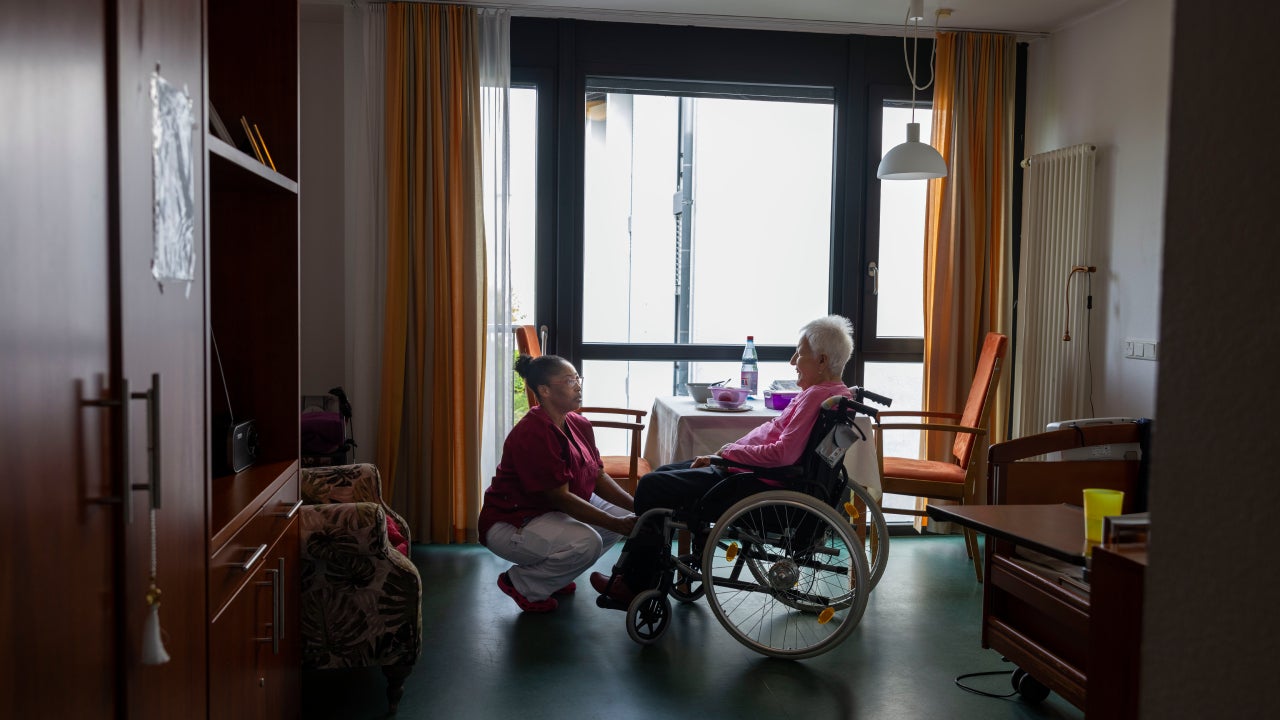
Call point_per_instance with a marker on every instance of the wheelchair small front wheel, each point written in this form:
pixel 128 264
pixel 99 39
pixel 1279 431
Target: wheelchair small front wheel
pixel 648 616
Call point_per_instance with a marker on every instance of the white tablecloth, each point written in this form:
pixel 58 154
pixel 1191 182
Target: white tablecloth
pixel 678 430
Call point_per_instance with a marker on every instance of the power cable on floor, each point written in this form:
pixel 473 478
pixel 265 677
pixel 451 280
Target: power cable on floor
pixel 984 693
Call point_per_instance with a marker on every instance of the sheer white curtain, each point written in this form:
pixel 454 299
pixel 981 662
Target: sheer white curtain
pixel 495 92
pixel 366 228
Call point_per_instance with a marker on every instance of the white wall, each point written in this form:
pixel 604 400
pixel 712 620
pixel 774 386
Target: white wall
pixel 1105 81
pixel 323 289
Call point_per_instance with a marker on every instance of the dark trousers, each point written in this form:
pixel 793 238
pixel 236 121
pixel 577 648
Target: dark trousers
pixel 678 487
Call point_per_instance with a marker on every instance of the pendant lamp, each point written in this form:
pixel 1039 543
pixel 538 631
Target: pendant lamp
pixel 914 160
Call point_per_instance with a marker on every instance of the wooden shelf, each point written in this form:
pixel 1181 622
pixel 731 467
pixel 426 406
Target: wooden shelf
pixel 238 159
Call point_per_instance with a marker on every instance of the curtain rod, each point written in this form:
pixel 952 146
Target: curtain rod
pixel 654 17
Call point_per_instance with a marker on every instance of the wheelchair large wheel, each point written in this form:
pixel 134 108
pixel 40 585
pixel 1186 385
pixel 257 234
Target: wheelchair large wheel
pixel 876 544
pixel 648 616
pixel 785 575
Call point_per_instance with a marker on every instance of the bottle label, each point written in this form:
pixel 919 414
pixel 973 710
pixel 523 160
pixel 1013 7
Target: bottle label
pixel 749 380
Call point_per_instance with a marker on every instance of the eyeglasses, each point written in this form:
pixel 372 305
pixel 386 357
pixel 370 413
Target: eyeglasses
pixel 575 380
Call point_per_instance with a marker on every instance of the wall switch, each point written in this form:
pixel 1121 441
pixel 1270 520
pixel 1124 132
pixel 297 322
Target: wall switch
pixel 1140 349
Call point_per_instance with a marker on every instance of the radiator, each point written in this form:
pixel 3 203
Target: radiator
pixel 1050 374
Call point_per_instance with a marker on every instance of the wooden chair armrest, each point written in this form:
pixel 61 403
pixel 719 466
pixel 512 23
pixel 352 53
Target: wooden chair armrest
pixel 919 413
pixel 939 427
pixel 637 414
pixel 617 424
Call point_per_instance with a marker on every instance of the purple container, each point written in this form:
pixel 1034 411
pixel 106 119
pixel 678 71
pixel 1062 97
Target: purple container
pixel 779 400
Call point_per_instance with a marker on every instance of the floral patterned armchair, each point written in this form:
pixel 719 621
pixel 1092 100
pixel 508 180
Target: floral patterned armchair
pixel 361 599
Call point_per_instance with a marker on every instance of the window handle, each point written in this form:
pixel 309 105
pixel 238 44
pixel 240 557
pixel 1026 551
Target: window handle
pixel 874 272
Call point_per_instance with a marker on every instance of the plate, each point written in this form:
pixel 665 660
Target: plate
pixel 716 408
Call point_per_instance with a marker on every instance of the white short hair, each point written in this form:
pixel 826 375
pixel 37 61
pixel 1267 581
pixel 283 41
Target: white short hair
pixel 831 336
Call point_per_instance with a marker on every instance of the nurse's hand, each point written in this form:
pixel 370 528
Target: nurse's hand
pixel 624 525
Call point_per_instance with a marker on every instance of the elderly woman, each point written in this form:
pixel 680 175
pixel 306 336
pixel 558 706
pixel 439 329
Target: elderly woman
pixel 823 350
pixel 551 508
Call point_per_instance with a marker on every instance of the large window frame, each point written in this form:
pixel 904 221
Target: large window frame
pixel 559 56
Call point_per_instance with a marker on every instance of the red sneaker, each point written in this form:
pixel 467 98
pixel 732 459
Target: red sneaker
pixel 527 605
pixel 569 589
pixel 618 591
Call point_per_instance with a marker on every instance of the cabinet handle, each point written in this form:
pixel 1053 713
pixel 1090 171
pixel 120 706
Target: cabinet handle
pixel 244 567
pixel 152 396
pixel 277 617
pixel 292 511
pixel 276 611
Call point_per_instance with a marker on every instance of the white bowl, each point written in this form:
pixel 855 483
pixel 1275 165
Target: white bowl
pixel 700 391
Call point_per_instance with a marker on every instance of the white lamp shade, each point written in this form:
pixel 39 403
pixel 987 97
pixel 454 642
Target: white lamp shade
pixel 912 160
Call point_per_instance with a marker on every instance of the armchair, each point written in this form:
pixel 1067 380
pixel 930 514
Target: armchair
pixel 361 601
pixel 955 480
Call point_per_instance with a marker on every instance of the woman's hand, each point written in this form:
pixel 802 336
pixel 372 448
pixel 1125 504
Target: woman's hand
pixel 623 525
pixel 703 460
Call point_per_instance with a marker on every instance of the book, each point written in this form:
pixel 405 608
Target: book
pixel 263 144
pixel 253 144
pixel 219 129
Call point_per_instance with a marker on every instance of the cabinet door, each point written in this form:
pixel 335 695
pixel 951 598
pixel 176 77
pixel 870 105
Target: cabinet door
pixel 162 337
pixel 254 645
pixel 56 543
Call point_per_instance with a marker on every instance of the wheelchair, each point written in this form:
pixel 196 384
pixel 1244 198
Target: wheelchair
pixel 782 568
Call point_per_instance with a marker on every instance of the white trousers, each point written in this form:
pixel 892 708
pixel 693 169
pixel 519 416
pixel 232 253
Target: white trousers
pixel 551 549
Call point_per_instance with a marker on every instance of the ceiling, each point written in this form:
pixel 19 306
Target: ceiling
pixel 878 17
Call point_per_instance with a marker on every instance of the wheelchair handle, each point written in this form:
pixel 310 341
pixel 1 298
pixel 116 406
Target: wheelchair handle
pixel 863 393
pixel 864 409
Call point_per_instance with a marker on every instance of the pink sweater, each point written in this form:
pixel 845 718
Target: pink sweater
pixel 781 440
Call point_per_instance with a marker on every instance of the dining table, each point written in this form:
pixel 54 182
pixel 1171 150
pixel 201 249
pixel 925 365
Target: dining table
pixel 682 429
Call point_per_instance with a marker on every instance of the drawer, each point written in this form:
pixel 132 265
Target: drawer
pixel 235 562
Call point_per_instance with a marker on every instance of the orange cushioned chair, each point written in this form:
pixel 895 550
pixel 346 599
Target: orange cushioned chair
pixel 625 469
pixel 955 480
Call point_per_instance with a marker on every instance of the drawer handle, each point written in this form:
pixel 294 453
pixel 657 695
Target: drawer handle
pixel 253 559
pixel 292 511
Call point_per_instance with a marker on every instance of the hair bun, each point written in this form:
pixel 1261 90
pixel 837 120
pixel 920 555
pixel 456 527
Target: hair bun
pixel 522 364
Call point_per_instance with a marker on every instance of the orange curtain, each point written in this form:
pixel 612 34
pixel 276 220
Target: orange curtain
pixel 433 345
pixel 968 236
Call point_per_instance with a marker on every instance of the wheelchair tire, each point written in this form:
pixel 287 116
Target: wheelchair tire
pixel 648 616
pixel 877 541
pixel 784 574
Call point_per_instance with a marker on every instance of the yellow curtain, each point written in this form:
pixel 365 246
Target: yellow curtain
pixel 433 345
pixel 968 236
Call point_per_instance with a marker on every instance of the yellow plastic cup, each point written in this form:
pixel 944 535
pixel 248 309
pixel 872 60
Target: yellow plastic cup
pixel 1099 503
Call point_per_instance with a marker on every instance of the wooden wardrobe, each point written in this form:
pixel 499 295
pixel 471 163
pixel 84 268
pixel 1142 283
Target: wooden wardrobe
pixel 113 386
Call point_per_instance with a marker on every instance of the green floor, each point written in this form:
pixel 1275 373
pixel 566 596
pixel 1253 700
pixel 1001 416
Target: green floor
pixel 483 658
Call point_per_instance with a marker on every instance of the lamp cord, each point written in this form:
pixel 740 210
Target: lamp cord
pixel 911 62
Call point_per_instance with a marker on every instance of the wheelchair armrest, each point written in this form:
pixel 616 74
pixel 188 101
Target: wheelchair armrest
pixel 784 472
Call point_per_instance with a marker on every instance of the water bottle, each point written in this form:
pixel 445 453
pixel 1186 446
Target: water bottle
pixel 750 367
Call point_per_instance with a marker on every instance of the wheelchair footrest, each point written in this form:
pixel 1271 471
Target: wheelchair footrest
pixel 609 603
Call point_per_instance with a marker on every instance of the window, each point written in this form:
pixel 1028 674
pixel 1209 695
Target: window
pixel 894 297
pixel 522 213
pixel 702 205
